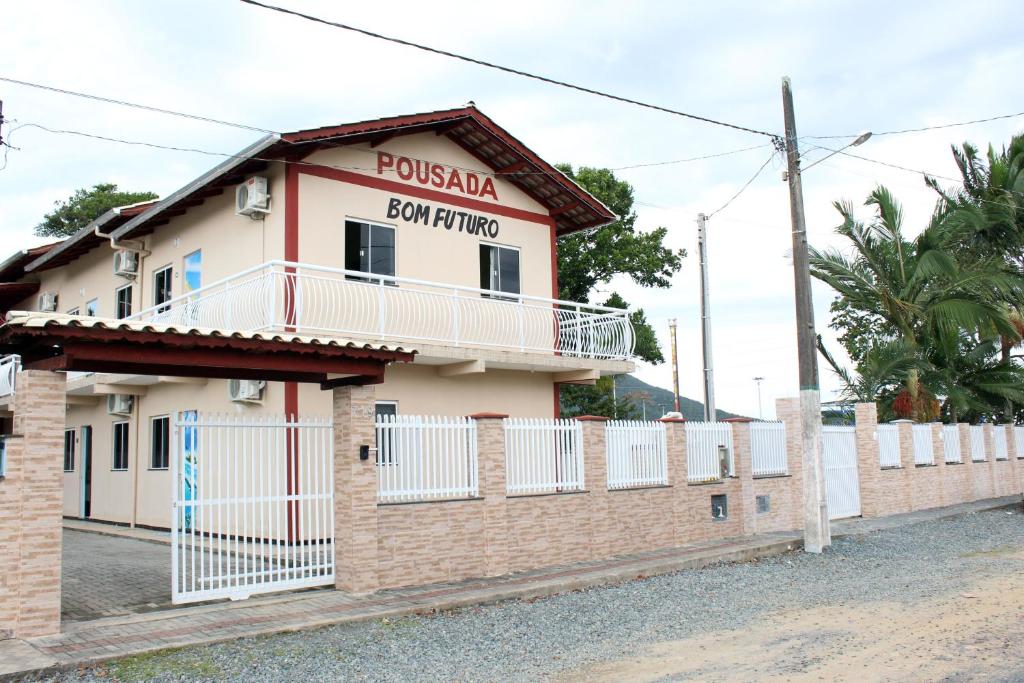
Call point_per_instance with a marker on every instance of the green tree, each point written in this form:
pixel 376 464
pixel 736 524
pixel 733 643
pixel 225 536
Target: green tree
pixel 915 289
pixel 590 259
pixel 85 206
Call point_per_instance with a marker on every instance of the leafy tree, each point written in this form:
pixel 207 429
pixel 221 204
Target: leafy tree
pixel 590 259
pixel 84 206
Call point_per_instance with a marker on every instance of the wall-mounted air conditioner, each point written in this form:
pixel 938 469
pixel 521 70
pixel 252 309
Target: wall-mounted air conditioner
pixel 246 390
pixel 252 198
pixel 120 404
pixel 48 302
pixel 126 263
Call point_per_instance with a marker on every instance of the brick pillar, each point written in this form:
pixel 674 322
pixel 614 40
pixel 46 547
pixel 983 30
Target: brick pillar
pixel 990 452
pixel 967 460
pixel 490 434
pixel 31 505
pixel 744 467
pixel 939 458
pixel 675 437
pixel 787 410
pixel 908 473
pixel 355 491
pixel 595 477
pixel 1014 485
pixel 869 471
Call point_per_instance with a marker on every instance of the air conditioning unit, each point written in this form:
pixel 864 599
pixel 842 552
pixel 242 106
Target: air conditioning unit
pixel 246 390
pixel 126 263
pixel 120 404
pixel 48 302
pixel 252 198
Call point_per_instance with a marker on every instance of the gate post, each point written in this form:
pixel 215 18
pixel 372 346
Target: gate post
pixel 31 505
pixel 869 471
pixel 492 474
pixel 355 490
pixel 744 465
pixel 787 410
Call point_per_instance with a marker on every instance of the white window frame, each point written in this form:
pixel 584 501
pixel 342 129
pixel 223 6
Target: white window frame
pixel 70 431
pixel 95 303
pixel 113 446
pixel 117 301
pixel 156 290
pixel 74 311
pixel 370 275
pixel 519 262
pixel 167 443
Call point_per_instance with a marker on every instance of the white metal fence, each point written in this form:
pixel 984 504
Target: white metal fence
pixel 924 449
pixel 324 301
pixel 977 443
pixel 543 456
pixel 637 454
pixel 9 366
pixel 951 443
pixel 888 446
pixel 842 482
pixel 768 449
pixel 706 444
pixel 252 505
pixel 999 440
pixel 426 458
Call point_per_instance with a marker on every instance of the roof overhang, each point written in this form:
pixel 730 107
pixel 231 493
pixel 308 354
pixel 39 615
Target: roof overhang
pixel 13 292
pixel 70 343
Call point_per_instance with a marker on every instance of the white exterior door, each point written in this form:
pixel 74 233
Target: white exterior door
pixel 839 454
pixel 253 505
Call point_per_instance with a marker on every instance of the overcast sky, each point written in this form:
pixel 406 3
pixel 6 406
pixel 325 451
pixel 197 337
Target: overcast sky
pixel 855 66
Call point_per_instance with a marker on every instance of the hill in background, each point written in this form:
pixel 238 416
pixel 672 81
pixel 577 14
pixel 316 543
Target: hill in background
pixel 659 401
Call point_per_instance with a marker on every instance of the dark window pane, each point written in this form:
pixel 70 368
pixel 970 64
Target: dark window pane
pixel 387 409
pixel 508 270
pixel 486 256
pixel 159 450
pixel 69 450
pixel 356 246
pixel 382 251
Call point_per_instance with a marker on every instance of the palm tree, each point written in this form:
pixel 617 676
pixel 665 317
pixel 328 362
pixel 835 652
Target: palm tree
pixel 916 287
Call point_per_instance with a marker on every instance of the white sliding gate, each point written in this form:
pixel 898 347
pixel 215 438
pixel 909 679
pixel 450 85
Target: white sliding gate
pixel 253 505
pixel 839 455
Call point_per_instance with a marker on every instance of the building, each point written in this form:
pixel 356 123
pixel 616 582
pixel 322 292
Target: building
pixel 436 231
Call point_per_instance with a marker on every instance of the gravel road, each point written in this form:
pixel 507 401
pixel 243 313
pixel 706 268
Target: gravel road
pixel 566 634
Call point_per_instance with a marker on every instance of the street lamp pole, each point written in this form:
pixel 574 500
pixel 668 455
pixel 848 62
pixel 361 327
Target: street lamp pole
pixel 760 410
pixel 817 535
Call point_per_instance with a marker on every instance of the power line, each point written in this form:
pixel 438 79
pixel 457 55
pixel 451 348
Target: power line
pixel 683 161
pixel 891 165
pixel 136 105
pixel 919 130
pixel 746 185
pixel 506 69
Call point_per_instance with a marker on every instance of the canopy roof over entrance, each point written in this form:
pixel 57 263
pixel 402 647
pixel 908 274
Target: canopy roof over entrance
pixel 53 341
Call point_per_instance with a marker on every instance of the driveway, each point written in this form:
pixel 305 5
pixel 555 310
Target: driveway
pixel 107 576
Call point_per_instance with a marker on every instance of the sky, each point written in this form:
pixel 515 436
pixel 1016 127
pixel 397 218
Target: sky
pixel 855 66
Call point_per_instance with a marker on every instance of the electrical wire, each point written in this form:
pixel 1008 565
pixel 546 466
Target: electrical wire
pixel 918 130
pixel 506 69
pixel 136 105
pixel 745 185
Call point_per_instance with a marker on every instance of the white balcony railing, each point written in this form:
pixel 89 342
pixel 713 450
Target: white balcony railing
pixel 316 300
pixel 9 366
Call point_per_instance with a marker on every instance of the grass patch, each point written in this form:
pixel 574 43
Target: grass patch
pixel 176 663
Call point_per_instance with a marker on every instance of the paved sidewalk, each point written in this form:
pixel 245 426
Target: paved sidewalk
pixel 102 639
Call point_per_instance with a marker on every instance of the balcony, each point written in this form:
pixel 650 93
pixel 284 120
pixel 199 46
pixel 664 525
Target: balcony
pixel 9 366
pixel 321 301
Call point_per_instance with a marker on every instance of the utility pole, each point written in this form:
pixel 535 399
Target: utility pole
pixel 705 319
pixel 816 526
pixel 1 123
pixel 675 363
pixel 760 410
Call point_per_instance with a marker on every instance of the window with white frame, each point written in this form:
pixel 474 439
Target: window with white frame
pixel 92 308
pixel 499 268
pixel 73 311
pixel 159 438
pixel 119 455
pixel 123 302
pixel 162 280
pixel 369 248
pixel 384 409
pixel 69 450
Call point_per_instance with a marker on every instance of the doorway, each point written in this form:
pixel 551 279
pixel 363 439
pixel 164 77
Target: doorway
pixel 86 440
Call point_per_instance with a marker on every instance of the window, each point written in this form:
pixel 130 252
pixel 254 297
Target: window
pixel 120 452
pixel 123 302
pixel 73 311
pixel 764 504
pixel 162 287
pixel 160 450
pixel 386 408
pixel 369 248
pixel 499 268
pixel 192 279
pixel 92 308
pixel 69 450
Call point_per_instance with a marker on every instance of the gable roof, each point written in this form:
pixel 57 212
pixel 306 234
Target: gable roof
pixel 13 267
pixel 569 205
